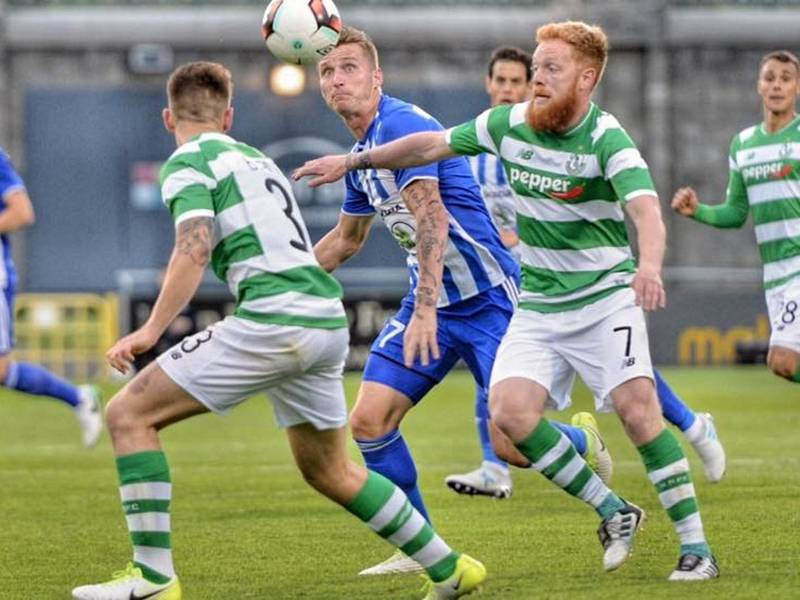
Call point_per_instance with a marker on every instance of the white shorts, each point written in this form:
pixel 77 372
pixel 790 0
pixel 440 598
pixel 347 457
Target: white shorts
pixel 783 304
pixel 605 343
pixel 299 368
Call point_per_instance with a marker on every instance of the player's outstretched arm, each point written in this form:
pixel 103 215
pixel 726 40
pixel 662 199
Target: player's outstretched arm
pixel 423 200
pixel 730 214
pixel 410 151
pixel 343 241
pixel 645 213
pixel 191 254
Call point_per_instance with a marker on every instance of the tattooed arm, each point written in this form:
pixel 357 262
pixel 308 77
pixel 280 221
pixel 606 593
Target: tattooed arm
pixel 423 200
pixel 191 254
pixel 421 148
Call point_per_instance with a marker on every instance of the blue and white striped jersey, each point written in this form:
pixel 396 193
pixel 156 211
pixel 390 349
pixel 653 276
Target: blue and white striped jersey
pixel 475 259
pixel 497 194
pixel 10 182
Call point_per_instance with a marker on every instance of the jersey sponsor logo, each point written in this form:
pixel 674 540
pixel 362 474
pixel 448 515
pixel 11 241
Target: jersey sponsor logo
pixel 572 194
pixel 773 170
pixel 784 172
pixel 557 187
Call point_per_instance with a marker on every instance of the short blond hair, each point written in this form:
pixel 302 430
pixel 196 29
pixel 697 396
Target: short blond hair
pixel 588 41
pixel 351 35
pixel 200 91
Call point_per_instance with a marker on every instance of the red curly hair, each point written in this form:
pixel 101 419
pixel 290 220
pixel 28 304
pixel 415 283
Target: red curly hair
pixel 588 41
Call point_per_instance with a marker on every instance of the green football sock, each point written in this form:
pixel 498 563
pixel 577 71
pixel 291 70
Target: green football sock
pixel 386 509
pixel 668 469
pixel 146 492
pixel 554 456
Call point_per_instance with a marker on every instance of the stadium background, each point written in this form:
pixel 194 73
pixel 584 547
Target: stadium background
pixel 81 117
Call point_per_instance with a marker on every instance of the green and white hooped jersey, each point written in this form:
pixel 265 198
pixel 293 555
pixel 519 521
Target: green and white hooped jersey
pixel 570 188
pixel 262 248
pixel 765 173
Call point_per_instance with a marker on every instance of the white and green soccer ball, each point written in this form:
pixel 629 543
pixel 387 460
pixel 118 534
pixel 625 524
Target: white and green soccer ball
pixel 301 32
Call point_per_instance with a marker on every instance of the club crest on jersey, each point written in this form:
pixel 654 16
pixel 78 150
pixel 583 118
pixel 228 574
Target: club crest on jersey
pixel 575 164
pixel 786 150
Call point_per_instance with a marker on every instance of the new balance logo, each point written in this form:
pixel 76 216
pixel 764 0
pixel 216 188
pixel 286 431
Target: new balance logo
pixel 628 361
pixel 525 154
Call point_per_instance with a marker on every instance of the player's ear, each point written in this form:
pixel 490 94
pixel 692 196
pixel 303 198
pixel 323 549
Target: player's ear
pixel 487 85
pixel 169 120
pixel 378 77
pixel 227 119
pixel 588 78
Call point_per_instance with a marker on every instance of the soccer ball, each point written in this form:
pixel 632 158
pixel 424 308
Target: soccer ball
pixel 301 32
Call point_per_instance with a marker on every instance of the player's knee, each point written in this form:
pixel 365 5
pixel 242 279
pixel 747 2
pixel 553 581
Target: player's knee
pixel 639 412
pixel 782 362
pixel 367 425
pixel 119 419
pixel 507 413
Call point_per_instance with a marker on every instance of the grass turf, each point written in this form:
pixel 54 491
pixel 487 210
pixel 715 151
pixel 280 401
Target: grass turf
pixel 246 526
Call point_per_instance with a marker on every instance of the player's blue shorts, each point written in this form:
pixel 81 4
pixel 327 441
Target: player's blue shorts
pixel 470 330
pixel 7 320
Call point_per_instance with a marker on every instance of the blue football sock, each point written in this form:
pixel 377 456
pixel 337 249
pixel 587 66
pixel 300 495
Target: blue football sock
pixel 482 422
pixel 389 456
pixel 576 435
pixel 675 411
pixel 33 379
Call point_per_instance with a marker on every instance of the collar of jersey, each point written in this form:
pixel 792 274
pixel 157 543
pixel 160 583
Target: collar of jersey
pixel 384 99
pixel 583 122
pixel 211 135
pixel 783 129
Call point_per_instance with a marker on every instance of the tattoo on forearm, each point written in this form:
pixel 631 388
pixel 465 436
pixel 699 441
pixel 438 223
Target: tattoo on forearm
pixel 357 161
pixel 195 239
pixel 423 199
pixel 426 296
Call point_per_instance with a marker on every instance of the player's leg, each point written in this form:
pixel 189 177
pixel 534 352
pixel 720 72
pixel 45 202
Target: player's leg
pixel 699 429
pixel 38 381
pixel 388 390
pixel 613 358
pixel 528 374
pixel 312 407
pixel 149 402
pixel 375 500
pixel 215 369
pixel 636 403
pixel 375 421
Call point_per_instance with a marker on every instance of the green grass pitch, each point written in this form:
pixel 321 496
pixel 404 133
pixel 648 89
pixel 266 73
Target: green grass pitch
pixel 246 526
